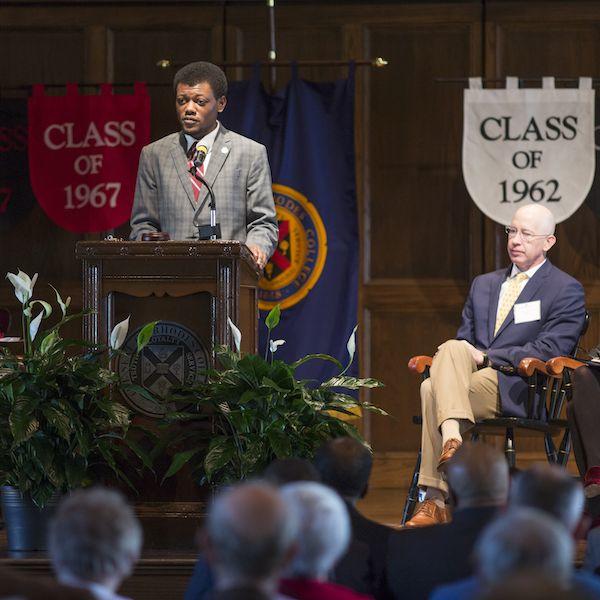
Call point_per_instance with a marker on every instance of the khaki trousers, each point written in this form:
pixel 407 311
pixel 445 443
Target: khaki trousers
pixel 454 390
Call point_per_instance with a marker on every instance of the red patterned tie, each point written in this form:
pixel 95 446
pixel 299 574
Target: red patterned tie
pixel 196 185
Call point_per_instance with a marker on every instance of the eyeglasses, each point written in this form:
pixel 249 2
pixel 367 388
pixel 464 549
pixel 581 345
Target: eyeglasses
pixel 512 232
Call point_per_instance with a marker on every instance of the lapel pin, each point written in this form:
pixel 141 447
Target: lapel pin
pixel 224 150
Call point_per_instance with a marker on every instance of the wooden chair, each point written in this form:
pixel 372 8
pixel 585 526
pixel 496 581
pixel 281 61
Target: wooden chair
pixel 551 380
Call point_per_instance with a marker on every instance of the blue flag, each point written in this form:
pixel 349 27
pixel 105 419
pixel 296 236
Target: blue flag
pixel 308 129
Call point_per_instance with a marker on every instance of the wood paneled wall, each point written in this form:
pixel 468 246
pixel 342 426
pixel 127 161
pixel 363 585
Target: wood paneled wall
pixel 422 239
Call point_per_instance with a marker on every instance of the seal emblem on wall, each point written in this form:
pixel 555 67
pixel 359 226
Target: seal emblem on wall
pixel 175 356
pixel 298 260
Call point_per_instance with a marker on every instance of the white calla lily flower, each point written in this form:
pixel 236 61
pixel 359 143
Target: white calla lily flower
pixel 23 285
pixel 63 305
pixel 35 325
pixel 236 334
pixel 351 345
pixel 274 344
pixel 119 333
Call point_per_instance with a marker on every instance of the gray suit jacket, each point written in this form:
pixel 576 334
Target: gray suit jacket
pixel 239 174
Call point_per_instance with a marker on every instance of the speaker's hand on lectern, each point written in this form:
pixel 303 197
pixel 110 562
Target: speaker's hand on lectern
pixel 259 256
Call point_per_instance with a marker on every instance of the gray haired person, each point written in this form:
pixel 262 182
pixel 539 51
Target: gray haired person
pixel 250 535
pixel 524 539
pixel 94 541
pixel 323 536
pixel 551 489
pixel 553 492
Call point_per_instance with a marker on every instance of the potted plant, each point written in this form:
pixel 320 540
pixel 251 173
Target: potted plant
pixel 259 411
pixel 60 428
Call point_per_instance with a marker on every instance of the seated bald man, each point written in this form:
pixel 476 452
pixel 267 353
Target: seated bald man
pixel 531 309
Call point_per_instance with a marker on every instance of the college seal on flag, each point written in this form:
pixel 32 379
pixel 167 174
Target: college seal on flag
pixel 174 356
pixel 299 258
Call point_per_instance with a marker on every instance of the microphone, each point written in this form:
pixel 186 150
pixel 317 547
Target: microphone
pixel 212 231
pixel 199 155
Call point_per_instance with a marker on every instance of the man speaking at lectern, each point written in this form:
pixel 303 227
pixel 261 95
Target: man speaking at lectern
pixel 167 195
pixel 531 309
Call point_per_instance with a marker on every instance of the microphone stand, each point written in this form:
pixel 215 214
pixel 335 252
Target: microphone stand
pixel 212 231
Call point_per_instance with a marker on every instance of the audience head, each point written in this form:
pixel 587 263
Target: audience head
pixel 287 470
pixel 552 490
pixel 345 465
pixel 524 539
pixel 250 534
pixel 324 529
pixel 531 585
pixel 94 536
pixel 478 476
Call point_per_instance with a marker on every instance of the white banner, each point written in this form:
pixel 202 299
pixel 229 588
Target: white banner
pixel 525 146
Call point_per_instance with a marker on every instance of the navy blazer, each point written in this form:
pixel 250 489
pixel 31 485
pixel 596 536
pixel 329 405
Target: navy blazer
pixel 469 589
pixel 554 334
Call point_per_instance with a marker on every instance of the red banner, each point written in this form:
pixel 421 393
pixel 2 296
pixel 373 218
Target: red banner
pixel 84 152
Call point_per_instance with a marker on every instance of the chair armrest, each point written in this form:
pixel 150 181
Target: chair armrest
pixel 556 365
pixel 529 366
pixel 418 364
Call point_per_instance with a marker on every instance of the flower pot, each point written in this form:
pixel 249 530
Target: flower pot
pixel 26 524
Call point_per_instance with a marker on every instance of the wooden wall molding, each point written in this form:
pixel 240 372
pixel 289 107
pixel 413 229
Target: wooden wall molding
pixel 414 295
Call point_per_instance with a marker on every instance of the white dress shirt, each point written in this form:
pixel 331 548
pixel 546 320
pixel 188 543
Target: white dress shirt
pixel 208 141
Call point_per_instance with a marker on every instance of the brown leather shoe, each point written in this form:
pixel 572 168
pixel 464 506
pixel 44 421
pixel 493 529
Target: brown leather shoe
pixel 429 513
pixel 448 451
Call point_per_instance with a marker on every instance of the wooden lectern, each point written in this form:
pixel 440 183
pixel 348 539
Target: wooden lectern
pixel 200 284
pixel 191 288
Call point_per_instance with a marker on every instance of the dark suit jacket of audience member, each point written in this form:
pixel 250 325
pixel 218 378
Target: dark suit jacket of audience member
pixel 15 585
pixel 376 537
pixel 469 589
pixel 421 559
pixel 355 569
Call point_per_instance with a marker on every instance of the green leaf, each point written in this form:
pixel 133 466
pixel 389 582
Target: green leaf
pixel 280 443
pixel 75 470
pixel 118 414
pixel 221 451
pixel 140 453
pixel 59 421
pixel 145 335
pixel 374 409
pixel 179 461
pixel 49 341
pixel 351 383
pixel 273 317
pixel 142 391
pixel 309 357
pixel 266 382
pixel 42 494
pixel 248 396
pixel 183 416
pixel 23 424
